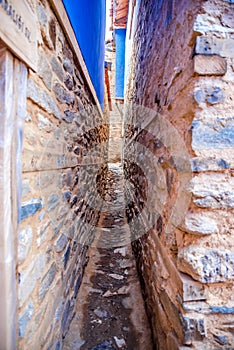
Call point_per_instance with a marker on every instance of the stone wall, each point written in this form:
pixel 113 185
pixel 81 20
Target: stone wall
pixel 63 149
pixel 179 169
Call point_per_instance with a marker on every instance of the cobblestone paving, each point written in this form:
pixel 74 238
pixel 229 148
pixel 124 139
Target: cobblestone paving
pixel 110 310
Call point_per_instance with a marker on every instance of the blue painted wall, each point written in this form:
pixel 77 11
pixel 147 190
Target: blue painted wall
pixel 120 35
pixel 88 19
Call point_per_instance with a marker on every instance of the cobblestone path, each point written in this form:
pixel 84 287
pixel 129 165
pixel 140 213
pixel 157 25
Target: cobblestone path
pixel 110 310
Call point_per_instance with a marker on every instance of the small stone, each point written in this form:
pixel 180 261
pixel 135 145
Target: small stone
pixel 24 318
pixel 221 339
pixel 77 285
pixel 57 346
pixel 44 123
pixel 57 68
pixel 60 243
pixel 62 95
pixel 63 211
pixel 43 99
pixel 208 164
pixel 29 277
pixel 194 329
pixel 101 313
pixel 52 31
pixel 215 95
pixel 105 345
pixel 213 191
pixel 70 116
pixel 68 66
pixel 121 251
pixel 210 95
pixel 227 19
pixel 44 71
pixel 108 293
pixel 65 316
pixel 120 342
pixel 69 82
pixel 41 14
pixel 67 195
pixel 67 255
pixel 25 188
pixel 47 281
pixel 210 65
pixel 199 96
pixel 52 202
pixel 192 290
pixel 25 237
pixel 200 224
pixel 58 313
pixel 208 136
pixel 115 276
pixel 41 216
pixel 30 208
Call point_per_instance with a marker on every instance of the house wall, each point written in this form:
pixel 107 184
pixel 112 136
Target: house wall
pixel 179 165
pixel 64 146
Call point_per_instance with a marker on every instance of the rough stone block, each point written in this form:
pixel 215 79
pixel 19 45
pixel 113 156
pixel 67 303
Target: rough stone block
pixel 57 68
pixel 52 202
pixel 25 188
pixel 67 195
pixel 30 208
pixel 44 123
pixel 47 281
pixel 210 65
pixel 194 330
pixel 57 346
pixel 70 116
pixel 211 95
pixel 206 265
pixel 69 83
pixel 25 318
pixel 68 66
pixel 65 316
pixel 60 243
pixel 208 164
pixel 221 339
pixel 25 238
pixel 192 290
pixel 227 19
pixel 43 99
pixel 44 71
pixel 214 191
pixel 29 277
pixel 41 14
pixel 210 45
pixel 62 95
pixel 77 285
pixel 200 224
pixel 67 256
pixel 209 136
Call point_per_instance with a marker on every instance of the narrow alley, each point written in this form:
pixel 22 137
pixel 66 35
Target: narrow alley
pixel 110 311
pixel 117 175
